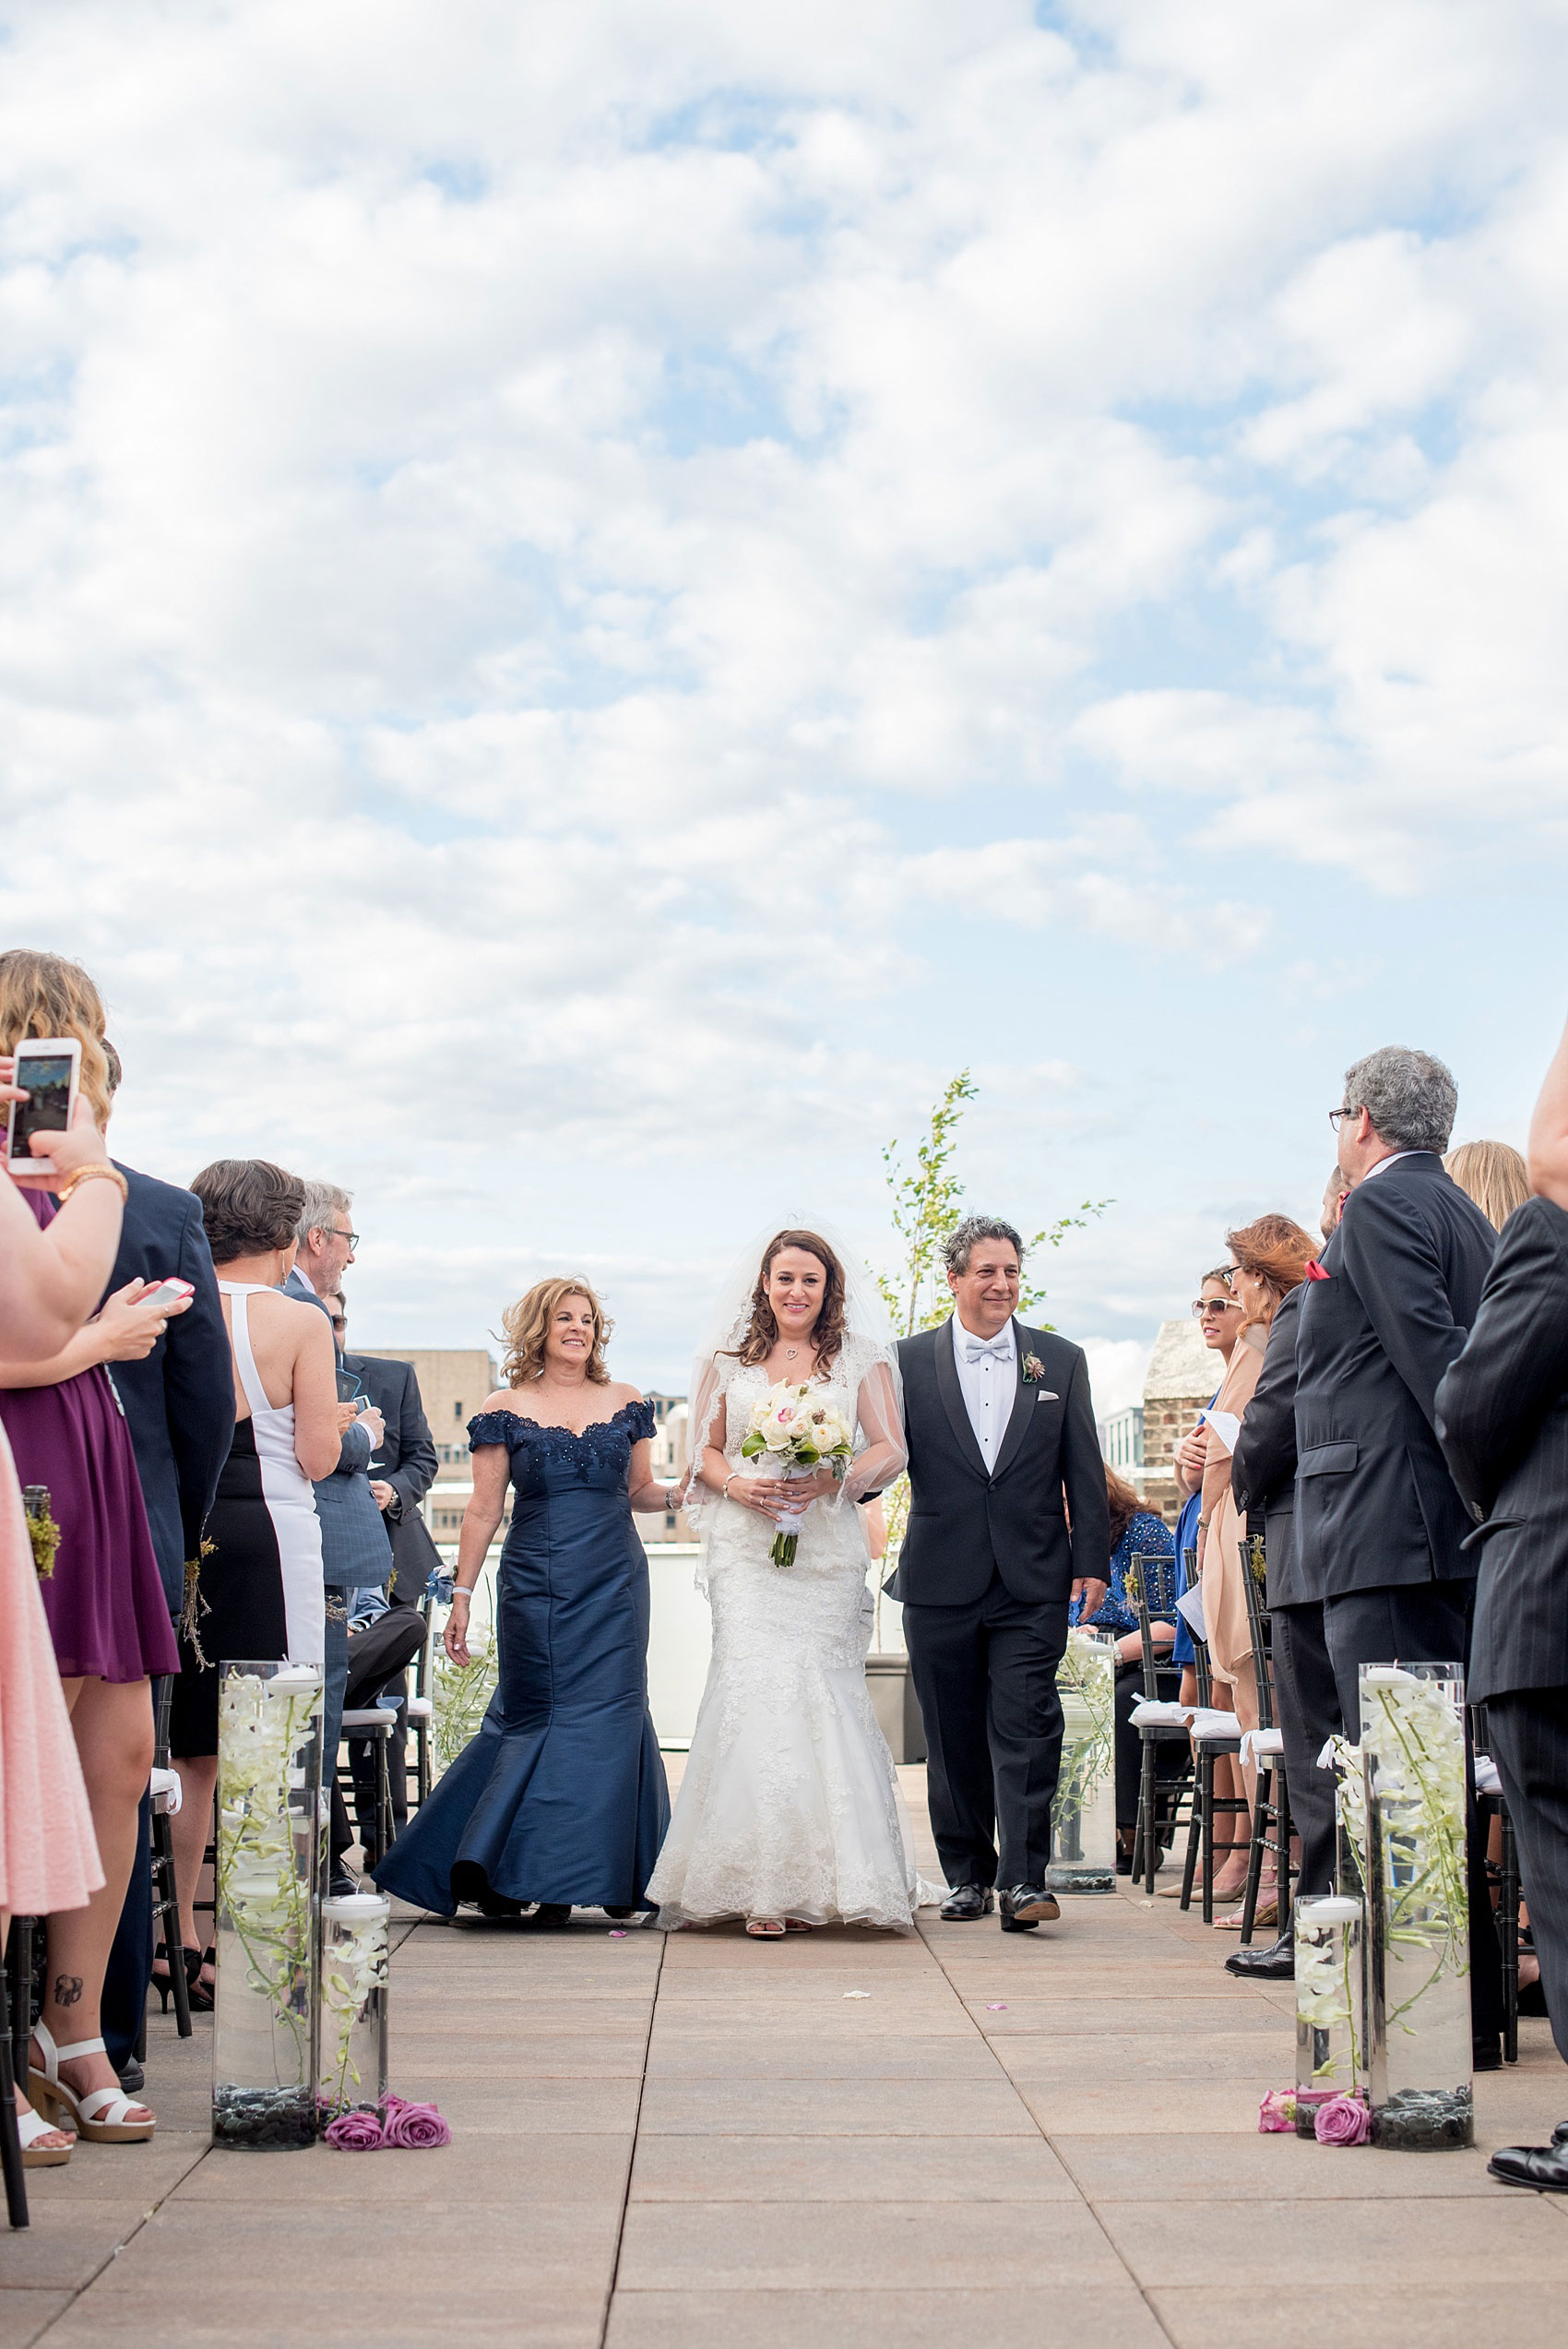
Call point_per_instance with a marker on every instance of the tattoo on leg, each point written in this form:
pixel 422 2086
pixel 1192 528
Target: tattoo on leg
pixel 67 1989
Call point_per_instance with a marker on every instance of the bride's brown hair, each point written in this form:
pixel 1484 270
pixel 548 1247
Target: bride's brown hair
pixel 761 1331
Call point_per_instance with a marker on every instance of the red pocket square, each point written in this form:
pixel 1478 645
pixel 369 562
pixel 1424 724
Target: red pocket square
pixel 1315 1271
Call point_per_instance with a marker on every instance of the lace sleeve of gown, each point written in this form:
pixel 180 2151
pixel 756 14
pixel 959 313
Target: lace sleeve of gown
pixel 705 1426
pixel 884 1451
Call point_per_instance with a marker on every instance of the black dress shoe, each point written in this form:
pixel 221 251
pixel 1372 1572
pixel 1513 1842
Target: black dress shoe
pixel 965 1901
pixel 1026 1906
pixel 1486 2052
pixel 1543 2166
pixel 132 2077
pixel 551 1912
pixel 1277 1963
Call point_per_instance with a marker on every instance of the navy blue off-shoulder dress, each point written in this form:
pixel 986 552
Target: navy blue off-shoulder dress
pixel 561 1797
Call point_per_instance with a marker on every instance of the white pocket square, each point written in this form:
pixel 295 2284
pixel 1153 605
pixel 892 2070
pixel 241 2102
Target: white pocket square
pixel 1045 1395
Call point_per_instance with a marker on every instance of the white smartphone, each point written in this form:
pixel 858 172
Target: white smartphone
pixel 167 1293
pixel 49 1069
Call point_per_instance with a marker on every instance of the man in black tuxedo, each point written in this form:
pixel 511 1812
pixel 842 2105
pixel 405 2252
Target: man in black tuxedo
pixel 179 1406
pixel 401 1472
pixel 1503 1418
pixel 1380 1527
pixel 1008 1522
pixel 1263 1477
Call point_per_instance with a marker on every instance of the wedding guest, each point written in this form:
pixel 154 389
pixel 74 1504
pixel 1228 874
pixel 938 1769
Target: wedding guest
pixel 1263 1477
pixel 1136 1531
pixel 1218 1316
pixel 400 1475
pixel 353 1540
pixel 1493 1174
pixel 108 1618
pixel 1502 1420
pixel 1380 1526
pixel 560 1801
pixel 177 1399
pixel 1271 1256
pixel 258 1592
pixel 49 1278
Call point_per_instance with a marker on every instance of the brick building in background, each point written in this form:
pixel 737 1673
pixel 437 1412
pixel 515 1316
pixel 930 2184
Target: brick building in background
pixel 1181 1377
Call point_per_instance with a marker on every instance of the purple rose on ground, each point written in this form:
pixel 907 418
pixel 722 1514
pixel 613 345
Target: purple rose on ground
pixel 417 2126
pixel 354 2133
pixel 1277 2112
pixel 1344 2120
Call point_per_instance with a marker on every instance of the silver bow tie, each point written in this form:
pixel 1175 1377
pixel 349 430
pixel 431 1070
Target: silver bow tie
pixel 997 1348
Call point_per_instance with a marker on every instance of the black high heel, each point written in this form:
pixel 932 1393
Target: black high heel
pixel 199 1993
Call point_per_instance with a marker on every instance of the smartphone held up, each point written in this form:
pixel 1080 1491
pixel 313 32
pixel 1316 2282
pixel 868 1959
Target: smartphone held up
pixel 48 1069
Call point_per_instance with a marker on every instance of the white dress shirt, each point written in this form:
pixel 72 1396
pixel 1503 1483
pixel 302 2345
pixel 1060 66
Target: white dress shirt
pixel 987 1378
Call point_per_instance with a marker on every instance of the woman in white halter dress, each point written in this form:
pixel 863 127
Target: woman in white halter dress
pixel 789 1810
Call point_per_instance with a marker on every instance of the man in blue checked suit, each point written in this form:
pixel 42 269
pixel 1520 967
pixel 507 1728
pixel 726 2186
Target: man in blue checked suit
pixel 354 1551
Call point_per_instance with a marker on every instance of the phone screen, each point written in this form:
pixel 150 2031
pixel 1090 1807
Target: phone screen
pixel 47 1078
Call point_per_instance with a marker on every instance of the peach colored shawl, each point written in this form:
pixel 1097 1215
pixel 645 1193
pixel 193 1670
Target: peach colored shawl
pixel 48 1851
pixel 1220 1527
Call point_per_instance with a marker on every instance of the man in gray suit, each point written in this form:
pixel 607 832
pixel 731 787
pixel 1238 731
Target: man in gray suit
pixel 353 1541
pixel 1502 1419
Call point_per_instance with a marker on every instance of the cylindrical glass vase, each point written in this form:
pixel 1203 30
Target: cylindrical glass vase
pixel 353 2005
pixel 269 1846
pixel 1417 1907
pixel 1330 2031
pixel 1083 1814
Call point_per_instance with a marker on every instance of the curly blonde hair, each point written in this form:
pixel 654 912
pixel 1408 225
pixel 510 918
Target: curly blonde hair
pixel 43 995
pixel 526 1325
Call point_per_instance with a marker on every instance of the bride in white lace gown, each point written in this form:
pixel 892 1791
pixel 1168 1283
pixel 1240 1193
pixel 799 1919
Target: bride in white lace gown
pixel 789 1813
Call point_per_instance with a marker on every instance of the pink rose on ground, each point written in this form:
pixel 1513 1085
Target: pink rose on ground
pixel 1342 2120
pixel 1277 2112
pixel 354 2133
pixel 417 2126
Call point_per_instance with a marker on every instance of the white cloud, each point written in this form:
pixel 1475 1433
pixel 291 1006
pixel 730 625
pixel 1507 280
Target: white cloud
pixel 550 566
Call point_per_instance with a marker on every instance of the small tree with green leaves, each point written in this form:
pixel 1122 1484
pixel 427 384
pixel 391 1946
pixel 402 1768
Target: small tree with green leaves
pixel 927 1210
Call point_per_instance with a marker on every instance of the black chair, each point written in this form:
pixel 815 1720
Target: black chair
pixel 419 1709
pixel 1208 1807
pixel 1271 1805
pixel 1495 1805
pixel 16 2027
pixel 165 1900
pixel 375 1723
pixel 1151 1585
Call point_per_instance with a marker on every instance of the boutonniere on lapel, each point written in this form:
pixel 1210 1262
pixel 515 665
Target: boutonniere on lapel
pixel 1034 1370
pixel 1315 1271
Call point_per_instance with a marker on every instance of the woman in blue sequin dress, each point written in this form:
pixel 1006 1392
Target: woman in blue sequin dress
pixel 561 1798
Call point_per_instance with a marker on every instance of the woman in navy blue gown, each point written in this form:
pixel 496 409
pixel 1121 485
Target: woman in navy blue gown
pixel 560 1801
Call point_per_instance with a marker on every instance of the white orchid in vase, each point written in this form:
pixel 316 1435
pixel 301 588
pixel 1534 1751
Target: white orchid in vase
pixel 799 1431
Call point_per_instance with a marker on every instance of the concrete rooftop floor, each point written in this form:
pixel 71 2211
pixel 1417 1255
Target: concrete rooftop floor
pixel 1044 2138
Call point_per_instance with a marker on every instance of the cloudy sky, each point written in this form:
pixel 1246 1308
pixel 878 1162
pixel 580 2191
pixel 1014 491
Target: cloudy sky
pixel 593 600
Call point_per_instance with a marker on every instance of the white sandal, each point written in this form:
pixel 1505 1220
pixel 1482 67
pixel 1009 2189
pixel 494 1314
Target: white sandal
pixel 30 2127
pixel 765 1928
pixel 100 2115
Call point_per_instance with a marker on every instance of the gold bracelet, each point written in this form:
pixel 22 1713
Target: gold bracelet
pixel 104 1174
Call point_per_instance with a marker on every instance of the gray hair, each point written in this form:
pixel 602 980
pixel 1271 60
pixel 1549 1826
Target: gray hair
pixel 957 1248
pixel 324 1201
pixel 1411 1098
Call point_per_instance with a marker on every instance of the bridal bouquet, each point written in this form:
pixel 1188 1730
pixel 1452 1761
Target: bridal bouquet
pixel 798 1431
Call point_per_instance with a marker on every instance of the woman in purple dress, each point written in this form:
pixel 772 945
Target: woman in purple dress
pixel 104 1601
